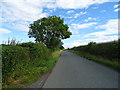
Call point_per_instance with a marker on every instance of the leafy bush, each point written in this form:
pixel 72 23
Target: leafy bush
pixel 11 56
pixel 37 50
pixel 22 56
pixel 107 50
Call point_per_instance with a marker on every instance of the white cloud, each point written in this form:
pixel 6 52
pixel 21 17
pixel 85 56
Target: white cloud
pixel 102 39
pixel 50 11
pixel 4 31
pixel 73 30
pixel 90 19
pixel 20 27
pixel 86 41
pixel 78 43
pixel 71 11
pixel 84 25
pixel 30 10
pixel 74 4
pixel 43 15
pixel 115 6
pixel 21 11
pixel 62 16
pixel 74 43
pixel 78 14
pixel 111 27
pixel 116 10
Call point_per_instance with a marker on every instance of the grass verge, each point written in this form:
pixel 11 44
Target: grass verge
pixel 22 77
pixel 113 64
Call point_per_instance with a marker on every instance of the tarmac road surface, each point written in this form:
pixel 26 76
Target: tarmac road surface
pixel 73 71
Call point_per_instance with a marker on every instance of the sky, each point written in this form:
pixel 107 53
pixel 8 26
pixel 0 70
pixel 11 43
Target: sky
pixel 88 20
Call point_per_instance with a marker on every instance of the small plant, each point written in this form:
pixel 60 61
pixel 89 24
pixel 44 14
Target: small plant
pixel 12 41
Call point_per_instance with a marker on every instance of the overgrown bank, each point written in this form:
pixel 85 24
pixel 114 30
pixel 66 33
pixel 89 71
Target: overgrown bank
pixel 25 63
pixel 104 53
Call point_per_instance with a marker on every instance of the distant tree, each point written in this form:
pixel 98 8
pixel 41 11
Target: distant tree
pixel 68 48
pixel 61 47
pixel 91 43
pixel 49 31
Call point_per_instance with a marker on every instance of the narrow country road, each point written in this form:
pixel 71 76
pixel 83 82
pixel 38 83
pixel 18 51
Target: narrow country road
pixel 72 71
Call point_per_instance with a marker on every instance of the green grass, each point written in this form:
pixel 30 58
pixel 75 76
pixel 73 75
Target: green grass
pixel 113 64
pixel 53 60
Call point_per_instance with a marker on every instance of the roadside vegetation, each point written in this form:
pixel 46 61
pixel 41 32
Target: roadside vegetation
pixel 24 63
pixel 104 53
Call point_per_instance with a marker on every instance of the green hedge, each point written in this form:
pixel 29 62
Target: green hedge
pixel 23 55
pixel 108 50
pixel 11 56
pixel 37 50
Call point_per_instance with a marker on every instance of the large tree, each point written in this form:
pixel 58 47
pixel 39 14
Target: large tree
pixel 49 31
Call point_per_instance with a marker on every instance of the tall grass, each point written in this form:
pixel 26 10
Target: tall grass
pixel 11 41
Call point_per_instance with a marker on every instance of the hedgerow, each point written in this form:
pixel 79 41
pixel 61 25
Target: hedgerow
pixel 109 50
pixel 21 57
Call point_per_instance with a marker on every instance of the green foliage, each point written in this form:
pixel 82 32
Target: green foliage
pixel 107 50
pixel 37 50
pixel 49 31
pixel 22 56
pixel 28 44
pixel 11 56
pixel 61 47
pixel 91 44
pixel 25 63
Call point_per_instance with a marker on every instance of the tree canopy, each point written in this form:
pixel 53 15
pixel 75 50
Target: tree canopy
pixel 49 31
